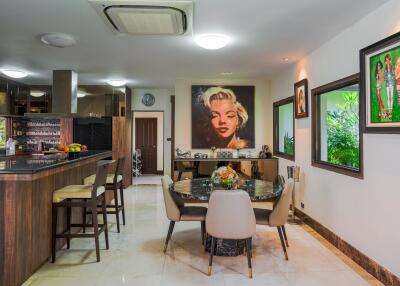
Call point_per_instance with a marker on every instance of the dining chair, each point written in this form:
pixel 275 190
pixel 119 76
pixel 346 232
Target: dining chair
pixel 277 217
pixel 177 211
pixel 184 167
pixel 230 216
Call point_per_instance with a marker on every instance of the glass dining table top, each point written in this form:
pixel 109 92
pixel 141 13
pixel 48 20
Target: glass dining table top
pixel 199 190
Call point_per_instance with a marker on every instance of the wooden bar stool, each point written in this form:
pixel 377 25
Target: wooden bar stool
pixel 114 183
pixel 83 196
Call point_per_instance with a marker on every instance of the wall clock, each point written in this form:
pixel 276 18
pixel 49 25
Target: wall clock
pixel 148 99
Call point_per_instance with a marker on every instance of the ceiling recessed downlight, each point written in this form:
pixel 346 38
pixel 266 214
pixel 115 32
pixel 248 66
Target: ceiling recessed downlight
pixel 58 40
pixel 212 41
pixel 285 59
pixel 37 93
pixel 14 73
pixel 116 82
pixel 81 94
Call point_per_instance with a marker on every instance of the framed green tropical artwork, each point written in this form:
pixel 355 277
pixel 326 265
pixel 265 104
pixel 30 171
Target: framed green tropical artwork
pixel 380 86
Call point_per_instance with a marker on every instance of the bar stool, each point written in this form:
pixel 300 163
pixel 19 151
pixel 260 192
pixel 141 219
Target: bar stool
pixel 81 196
pixel 114 183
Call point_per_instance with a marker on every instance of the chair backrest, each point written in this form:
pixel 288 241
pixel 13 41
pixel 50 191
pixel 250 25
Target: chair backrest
pixel 280 212
pixel 101 177
pixel 279 179
pixel 230 215
pixel 119 169
pixel 207 167
pixel 171 207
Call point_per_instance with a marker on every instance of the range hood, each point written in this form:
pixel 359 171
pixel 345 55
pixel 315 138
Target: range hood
pixel 146 17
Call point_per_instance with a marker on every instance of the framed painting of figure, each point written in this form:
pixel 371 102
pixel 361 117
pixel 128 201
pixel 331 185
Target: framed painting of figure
pixel 301 99
pixel 380 86
pixel 222 117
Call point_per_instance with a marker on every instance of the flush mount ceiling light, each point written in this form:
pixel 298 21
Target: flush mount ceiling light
pixel 14 73
pixel 37 93
pixel 58 40
pixel 81 94
pixel 212 41
pixel 116 82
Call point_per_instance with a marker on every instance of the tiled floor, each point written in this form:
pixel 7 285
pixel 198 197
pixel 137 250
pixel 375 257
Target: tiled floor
pixel 135 256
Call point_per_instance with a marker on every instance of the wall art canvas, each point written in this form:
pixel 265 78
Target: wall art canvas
pixel 222 117
pixel 301 99
pixel 380 86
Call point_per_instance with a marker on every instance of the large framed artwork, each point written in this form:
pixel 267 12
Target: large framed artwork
pixel 301 99
pixel 380 86
pixel 222 117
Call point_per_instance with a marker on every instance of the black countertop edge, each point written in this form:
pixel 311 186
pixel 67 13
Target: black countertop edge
pixel 66 161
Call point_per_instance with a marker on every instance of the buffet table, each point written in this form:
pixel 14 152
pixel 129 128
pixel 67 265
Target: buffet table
pixel 26 187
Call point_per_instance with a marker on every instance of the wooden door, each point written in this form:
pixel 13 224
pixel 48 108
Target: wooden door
pixel 146 141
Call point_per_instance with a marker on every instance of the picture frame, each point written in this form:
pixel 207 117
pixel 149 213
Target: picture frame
pixel 380 86
pixel 301 99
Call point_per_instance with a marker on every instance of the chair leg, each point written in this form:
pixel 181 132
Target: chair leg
pixel 54 233
pixel 116 207
pixel 282 242
pixel 213 242
pixel 84 218
pixel 121 192
pixel 248 248
pixel 284 235
pixel 104 211
pixel 96 230
pixel 68 225
pixel 170 230
pixel 203 230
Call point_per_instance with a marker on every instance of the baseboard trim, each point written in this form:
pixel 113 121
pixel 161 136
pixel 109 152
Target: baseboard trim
pixel 369 265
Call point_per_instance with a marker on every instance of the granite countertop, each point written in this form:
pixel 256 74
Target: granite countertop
pixel 32 164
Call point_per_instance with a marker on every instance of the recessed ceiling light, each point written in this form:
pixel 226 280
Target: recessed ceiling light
pixel 285 59
pixel 212 41
pixel 81 94
pixel 58 40
pixel 116 82
pixel 14 73
pixel 37 93
pixel 226 73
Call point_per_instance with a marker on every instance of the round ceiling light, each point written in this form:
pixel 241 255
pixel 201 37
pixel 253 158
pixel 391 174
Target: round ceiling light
pixel 37 93
pixel 212 41
pixel 116 82
pixel 81 94
pixel 58 40
pixel 14 73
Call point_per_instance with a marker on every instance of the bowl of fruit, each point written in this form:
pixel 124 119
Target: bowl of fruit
pixel 73 149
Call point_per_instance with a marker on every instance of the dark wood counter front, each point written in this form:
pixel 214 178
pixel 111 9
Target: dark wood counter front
pixel 25 214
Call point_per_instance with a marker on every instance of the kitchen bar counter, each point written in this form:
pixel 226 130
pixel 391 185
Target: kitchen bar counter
pixel 27 184
pixel 29 164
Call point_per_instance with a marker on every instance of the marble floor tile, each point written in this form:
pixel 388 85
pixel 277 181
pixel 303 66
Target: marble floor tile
pixel 135 256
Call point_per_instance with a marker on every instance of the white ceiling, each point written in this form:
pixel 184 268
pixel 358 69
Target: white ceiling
pixel 262 32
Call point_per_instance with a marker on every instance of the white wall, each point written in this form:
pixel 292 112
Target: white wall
pixel 159 115
pixel 183 121
pixel 365 213
pixel 162 103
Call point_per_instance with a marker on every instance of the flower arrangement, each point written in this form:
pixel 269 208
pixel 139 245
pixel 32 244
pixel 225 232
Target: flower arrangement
pixel 225 176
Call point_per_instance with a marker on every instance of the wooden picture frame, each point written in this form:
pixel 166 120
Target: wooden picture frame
pixel 301 99
pixel 276 126
pixel 380 86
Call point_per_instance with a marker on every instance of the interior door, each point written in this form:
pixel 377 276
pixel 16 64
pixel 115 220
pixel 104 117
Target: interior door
pixel 146 141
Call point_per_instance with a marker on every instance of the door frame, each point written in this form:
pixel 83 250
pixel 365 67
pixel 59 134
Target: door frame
pixel 159 172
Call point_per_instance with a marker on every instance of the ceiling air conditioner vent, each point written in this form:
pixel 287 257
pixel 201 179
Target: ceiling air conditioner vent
pixel 146 18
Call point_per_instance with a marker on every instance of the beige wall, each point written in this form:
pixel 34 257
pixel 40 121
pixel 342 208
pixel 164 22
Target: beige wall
pixel 160 134
pixel 263 110
pixel 362 212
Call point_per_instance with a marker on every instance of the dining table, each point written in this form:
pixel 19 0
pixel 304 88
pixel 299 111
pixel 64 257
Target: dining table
pixel 199 191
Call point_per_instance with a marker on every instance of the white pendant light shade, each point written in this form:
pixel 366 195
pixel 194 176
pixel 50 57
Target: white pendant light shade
pixel 81 94
pixel 212 41
pixel 116 82
pixel 37 93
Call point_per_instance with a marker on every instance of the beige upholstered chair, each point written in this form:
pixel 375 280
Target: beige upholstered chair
pixel 230 216
pixel 176 211
pixel 278 216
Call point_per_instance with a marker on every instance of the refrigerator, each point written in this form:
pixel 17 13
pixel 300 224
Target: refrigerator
pixel 95 133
